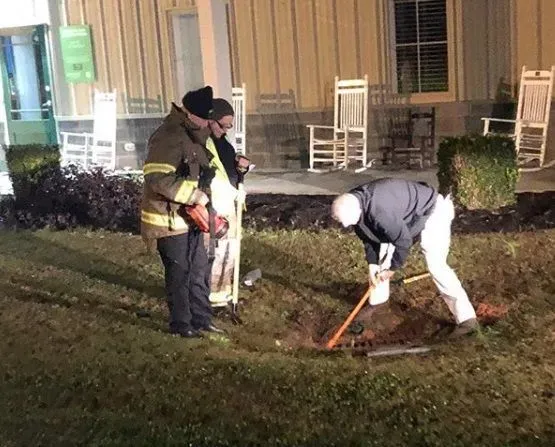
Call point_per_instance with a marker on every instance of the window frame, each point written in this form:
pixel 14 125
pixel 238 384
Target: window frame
pixel 426 97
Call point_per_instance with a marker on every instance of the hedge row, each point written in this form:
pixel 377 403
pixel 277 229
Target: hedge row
pixel 47 195
pixel 480 173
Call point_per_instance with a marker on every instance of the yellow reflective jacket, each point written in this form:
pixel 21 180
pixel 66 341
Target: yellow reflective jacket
pixel 223 193
pixel 176 156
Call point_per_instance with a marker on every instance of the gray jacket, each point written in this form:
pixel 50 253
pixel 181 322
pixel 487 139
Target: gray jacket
pixel 393 211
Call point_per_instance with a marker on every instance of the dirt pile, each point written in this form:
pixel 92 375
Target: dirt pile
pixel 490 313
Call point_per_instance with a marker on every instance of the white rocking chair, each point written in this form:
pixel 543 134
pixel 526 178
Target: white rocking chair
pixel 532 116
pixel 350 129
pixel 96 149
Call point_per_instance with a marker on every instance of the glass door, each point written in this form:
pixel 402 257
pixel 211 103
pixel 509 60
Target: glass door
pixel 27 87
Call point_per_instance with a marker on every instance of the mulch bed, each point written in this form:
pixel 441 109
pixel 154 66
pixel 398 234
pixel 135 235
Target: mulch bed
pixel 532 211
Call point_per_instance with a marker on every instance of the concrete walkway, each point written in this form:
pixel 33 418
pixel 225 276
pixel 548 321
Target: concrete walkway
pixel 303 182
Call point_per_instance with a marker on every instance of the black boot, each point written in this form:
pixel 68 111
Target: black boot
pixel 187 333
pixel 211 328
pixel 468 327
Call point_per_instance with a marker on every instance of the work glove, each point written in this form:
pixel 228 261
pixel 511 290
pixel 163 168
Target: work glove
pixel 199 197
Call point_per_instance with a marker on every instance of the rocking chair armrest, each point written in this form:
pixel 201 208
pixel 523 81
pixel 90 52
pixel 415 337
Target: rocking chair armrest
pixel 77 134
pixel 499 120
pixel 316 126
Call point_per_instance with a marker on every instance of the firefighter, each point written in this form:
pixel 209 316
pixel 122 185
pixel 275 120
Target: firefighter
pixel 225 163
pixel 177 173
pixel 388 215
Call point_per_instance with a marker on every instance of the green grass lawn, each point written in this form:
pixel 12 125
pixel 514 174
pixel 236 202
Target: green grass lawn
pixel 78 367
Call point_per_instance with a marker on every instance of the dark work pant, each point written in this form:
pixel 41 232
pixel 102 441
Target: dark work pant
pixel 187 275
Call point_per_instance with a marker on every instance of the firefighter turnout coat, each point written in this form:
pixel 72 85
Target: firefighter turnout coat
pixel 177 157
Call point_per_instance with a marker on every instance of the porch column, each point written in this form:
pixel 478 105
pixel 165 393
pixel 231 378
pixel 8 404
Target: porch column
pixel 215 46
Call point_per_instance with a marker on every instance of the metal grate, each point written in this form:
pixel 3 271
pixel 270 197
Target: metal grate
pixel 421 45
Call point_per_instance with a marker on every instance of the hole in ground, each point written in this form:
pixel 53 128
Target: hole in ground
pixel 383 325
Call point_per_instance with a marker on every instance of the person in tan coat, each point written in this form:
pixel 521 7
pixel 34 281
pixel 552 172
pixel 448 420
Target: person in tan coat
pixel 177 173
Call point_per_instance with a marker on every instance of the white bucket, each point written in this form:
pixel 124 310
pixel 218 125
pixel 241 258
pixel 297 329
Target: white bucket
pixel 379 294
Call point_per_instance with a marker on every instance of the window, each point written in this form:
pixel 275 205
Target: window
pixel 421 46
pixel 188 55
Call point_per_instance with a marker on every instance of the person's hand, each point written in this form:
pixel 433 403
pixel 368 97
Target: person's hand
pixel 373 272
pixel 385 275
pixel 200 197
pixel 242 163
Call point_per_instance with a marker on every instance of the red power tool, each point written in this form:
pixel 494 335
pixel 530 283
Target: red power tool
pixel 200 215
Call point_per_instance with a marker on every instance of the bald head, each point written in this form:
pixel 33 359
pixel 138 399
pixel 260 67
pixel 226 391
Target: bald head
pixel 346 209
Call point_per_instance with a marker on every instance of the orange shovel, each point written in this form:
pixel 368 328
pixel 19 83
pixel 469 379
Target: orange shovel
pixel 333 340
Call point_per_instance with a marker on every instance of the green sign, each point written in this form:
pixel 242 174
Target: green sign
pixel 77 54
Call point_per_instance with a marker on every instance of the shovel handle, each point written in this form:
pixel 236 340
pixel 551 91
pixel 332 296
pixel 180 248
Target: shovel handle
pixel 238 235
pixel 349 319
pixel 415 278
pixel 359 306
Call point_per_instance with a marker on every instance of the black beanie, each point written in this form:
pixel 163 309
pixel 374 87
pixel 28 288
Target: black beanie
pixel 222 108
pixel 199 102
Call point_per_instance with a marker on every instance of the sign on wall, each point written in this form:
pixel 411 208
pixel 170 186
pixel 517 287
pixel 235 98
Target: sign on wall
pixel 77 54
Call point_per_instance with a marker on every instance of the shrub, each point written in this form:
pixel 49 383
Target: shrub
pixel 480 172
pixel 27 164
pixel 67 197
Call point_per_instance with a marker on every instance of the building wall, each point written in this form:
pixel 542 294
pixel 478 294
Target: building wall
pixel 534 35
pixel 25 13
pixel 293 49
pixel 499 37
pixel 301 45
pixel 485 60
pixel 132 47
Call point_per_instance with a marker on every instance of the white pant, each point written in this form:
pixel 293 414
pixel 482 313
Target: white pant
pixel 435 242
